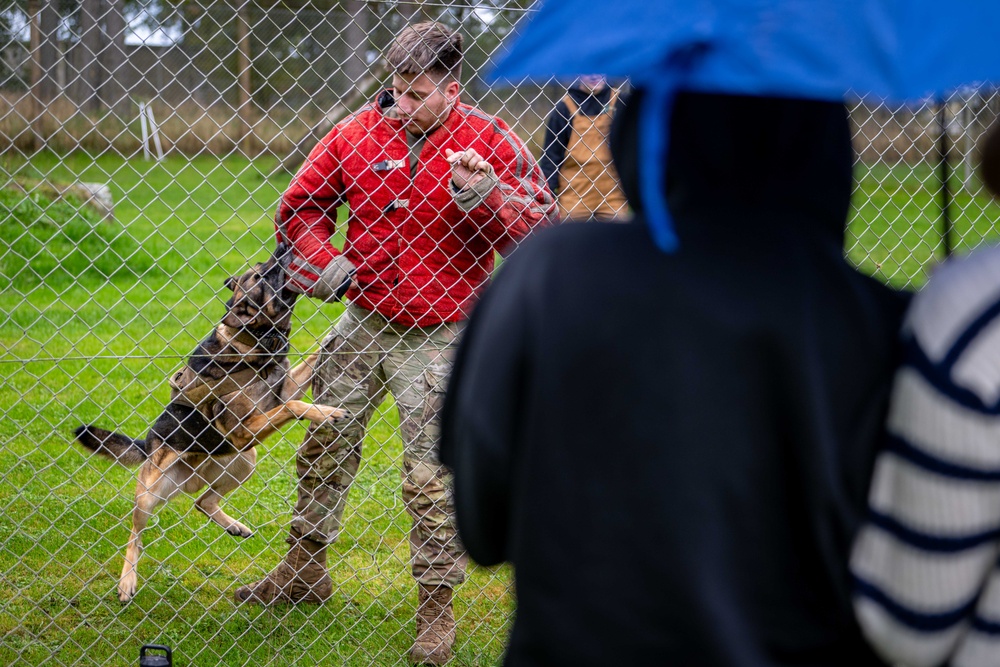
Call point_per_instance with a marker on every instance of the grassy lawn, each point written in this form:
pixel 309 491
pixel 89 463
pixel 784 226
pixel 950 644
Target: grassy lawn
pixel 97 348
pixel 895 231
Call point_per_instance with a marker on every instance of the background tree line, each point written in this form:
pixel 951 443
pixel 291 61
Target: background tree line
pixel 254 54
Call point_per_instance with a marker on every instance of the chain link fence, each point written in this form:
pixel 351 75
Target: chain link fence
pixel 145 147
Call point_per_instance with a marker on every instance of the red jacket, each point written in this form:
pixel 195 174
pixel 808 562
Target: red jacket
pixel 421 259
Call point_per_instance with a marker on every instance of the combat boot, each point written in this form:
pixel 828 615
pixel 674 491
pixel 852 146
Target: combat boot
pixel 435 626
pixel 300 578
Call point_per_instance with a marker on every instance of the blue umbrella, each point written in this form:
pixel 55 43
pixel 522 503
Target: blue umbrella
pixel 899 51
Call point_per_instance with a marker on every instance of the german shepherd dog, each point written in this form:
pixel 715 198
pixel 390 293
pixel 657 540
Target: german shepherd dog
pixel 235 390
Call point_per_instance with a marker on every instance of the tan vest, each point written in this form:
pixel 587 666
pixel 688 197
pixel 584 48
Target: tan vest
pixel 588 182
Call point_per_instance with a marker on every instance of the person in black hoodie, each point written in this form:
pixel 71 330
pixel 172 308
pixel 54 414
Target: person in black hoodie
pixel 576 161
pixel 673 450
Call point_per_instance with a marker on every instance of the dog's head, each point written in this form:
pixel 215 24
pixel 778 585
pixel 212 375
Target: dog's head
pixel 260 299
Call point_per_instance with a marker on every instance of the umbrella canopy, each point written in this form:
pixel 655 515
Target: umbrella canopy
pixel 895 50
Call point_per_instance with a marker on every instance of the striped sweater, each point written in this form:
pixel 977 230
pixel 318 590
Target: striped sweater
pixel 926 576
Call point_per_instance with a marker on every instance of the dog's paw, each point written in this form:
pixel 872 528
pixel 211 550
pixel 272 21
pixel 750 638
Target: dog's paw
pixel 126 588
pixel 333 416
pixel 237 529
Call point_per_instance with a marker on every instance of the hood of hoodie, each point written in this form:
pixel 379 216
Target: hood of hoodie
pixel 589 102
pixel 740 161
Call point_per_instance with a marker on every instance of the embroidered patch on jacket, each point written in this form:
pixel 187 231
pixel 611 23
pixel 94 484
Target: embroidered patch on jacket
pixel 388 165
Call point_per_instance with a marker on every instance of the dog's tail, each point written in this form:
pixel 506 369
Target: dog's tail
pixel 115 446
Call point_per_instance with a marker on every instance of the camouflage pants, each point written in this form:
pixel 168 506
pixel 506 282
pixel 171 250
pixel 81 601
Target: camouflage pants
pixel 361 359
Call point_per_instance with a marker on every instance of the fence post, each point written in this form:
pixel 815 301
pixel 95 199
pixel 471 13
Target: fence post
pixel 155 132
pixel 145 134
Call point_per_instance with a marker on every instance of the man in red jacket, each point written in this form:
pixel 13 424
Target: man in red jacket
pixel 434 187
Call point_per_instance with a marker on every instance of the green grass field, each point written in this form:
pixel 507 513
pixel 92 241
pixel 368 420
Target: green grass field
pixel 895 230
pixel 96 345
pixel 97 348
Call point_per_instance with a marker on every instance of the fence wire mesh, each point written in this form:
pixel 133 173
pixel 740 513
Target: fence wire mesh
pixel 146 147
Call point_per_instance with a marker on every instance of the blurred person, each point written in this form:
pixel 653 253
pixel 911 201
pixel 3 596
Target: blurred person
pixel 673 449
pixel 576 159
pixel 927 582
pixel 669 427
pixel 434 187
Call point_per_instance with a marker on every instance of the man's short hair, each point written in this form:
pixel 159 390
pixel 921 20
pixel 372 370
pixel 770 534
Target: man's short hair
pixel 427 48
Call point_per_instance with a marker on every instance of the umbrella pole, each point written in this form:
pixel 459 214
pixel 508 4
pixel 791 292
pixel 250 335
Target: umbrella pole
pixel 944 148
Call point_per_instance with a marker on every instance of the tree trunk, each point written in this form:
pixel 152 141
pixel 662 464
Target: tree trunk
pixel 88 80
pixel 245 108
pixel 112 58
pixel 35 105
pixel 44 17
pixel 45 49
pixel 358 15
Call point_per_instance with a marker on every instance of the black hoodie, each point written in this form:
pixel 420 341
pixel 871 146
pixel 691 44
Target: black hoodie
pixel 674 450
pixel 559 128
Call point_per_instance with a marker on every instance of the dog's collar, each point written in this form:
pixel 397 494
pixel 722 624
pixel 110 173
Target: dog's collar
pixel 273 341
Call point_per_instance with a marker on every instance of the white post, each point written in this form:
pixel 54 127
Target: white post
pixel 145 134
pixel 155 131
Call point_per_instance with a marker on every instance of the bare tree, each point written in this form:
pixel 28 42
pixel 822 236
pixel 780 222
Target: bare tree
pixel 44 22
pixel 359 18
pixel 112 92
pixel 244 78
pixel 99 56
pixel 45 49
pixel 86 53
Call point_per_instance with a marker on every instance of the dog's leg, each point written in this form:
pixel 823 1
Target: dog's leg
pixel 257 428
pixel 299 379
pixel 318 414
pixel 198 388
pixel 156 486
pixel 227 474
